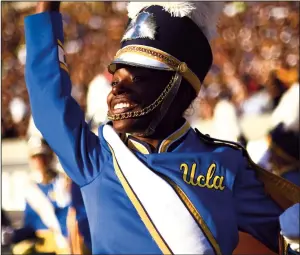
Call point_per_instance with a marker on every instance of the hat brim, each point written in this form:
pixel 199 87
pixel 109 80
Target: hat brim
pixel 149 57
pixel 135 59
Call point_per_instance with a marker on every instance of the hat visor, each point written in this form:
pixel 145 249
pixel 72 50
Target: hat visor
pixel 149 57
pixel 138 60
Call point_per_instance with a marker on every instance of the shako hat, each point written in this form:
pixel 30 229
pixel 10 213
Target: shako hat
pixel 285 143
pixel 170 36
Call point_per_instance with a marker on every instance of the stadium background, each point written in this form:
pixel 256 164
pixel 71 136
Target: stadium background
pixel 256 59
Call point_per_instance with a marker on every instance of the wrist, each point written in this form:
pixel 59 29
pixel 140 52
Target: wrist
pixel 48 7
pixel 55 6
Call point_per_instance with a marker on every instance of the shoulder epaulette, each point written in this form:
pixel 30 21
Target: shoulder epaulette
pixel 214 141
pixel 283 192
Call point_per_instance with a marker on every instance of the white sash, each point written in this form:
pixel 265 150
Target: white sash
pixel 165 210
pixel 40 203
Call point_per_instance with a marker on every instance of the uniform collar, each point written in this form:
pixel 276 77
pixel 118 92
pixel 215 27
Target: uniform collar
pixel 164 146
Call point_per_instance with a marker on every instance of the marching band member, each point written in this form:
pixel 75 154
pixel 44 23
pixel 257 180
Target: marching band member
pixel 77 223
pixel 47 202
pixel 279 150
pixel 282 156
pixel 150 183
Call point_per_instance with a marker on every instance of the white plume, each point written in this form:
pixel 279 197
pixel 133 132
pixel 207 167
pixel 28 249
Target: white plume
pixel 204 14
pixel 206 17
pixel 287 110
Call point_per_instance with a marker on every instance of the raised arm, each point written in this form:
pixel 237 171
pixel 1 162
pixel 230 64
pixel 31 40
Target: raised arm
pixel 56 114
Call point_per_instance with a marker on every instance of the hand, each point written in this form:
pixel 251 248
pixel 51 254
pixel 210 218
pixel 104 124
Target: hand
pixel 47 6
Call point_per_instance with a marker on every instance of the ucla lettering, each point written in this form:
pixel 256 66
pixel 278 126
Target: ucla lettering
pixel 210 180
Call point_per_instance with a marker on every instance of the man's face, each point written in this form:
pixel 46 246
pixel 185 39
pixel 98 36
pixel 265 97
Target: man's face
pixel 40 162
pixel 132 90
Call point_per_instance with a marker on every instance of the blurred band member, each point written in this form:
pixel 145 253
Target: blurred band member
pixel 47 203
pixel 282 156
pixel 279 150
pixel 77 222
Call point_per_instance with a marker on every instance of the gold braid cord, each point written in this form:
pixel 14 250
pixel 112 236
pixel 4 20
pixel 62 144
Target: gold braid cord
pixel 163 57
pixel 146 110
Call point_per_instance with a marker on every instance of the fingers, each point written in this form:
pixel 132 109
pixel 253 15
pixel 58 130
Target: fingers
pixel 47 6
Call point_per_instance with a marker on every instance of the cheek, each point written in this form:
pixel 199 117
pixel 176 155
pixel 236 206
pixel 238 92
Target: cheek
pixel 109 98
pixel 150 92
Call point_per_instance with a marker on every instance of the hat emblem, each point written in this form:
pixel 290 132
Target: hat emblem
pixel 142 26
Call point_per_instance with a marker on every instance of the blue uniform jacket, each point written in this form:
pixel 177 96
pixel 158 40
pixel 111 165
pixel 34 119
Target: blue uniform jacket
pixel 227 196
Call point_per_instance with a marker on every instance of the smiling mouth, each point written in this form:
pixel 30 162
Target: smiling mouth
pixel 123 107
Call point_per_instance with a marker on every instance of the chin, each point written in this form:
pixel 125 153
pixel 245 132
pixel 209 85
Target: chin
pixel 124 126
pixel 131 125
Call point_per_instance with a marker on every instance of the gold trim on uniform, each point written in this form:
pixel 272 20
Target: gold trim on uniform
pixel 63 67
pixel 138 206
pixel 165 144
pixel 137 146
pixel 192 209
pixel 60 43
pixel 165 58
pixel 62 64
pixel 173 137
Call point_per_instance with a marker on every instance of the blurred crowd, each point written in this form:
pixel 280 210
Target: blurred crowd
pixel 92 35
pixel 256 57
pixel 255 70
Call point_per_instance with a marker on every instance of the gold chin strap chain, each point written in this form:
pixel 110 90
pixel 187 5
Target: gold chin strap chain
pixel 148 109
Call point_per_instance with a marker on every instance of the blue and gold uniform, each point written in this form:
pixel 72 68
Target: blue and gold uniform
pixel 44 218
pixel 46 206
pixel 188 196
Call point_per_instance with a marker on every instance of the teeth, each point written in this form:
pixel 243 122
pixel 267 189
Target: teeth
pixel 121 106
